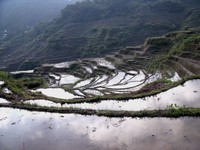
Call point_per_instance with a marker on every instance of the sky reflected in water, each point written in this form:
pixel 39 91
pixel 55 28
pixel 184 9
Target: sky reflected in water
pixel 21 129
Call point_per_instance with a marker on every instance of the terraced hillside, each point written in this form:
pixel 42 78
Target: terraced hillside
pixel 139 89
pixel 158 65
pixel 173 56
pixel 96 28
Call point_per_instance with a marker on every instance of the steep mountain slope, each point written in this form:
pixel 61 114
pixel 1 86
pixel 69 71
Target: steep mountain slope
pixel 155 65
pixel 159 64
pixel 172 52
pixel 96 28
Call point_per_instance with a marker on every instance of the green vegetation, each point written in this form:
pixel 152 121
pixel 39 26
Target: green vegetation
pixel 14 85
pixel 103 40
pixel 19 87
pixel 98 27
pixel 192 20
pixel 168 6
pixel 32 82
pixel 165 54
pixel 171 112
pixel 179 54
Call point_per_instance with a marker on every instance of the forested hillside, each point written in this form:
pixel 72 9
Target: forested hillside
pixel 95 28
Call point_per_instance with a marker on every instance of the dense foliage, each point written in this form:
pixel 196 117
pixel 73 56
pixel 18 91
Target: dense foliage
pixel 97 27
pixel 20 86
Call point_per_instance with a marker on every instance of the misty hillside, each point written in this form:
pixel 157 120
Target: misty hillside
pixel 20 15
pixel 95 28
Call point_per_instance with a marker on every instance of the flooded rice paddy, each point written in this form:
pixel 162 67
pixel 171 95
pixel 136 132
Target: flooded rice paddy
pixel 23 71
pixel 68 79
pixel 57 93
pixel 98 77
pixel 2 100
pixel 22 130
pixel 184 95
pixel 26 130
pixel 119 82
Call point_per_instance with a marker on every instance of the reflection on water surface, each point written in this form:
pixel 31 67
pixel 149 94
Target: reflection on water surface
pixel 21 129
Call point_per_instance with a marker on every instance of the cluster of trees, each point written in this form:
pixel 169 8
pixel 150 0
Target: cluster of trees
pixel 90 10
pixel 96 9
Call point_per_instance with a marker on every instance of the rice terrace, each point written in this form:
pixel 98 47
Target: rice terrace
pixel 102 75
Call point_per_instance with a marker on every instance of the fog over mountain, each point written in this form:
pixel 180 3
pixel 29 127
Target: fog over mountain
pixel 16 15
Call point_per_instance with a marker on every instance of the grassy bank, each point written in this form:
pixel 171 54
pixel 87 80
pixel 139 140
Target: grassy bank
pixel 19 87
pixel 171 112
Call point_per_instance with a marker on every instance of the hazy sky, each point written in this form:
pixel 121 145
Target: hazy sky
pixel 29 12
